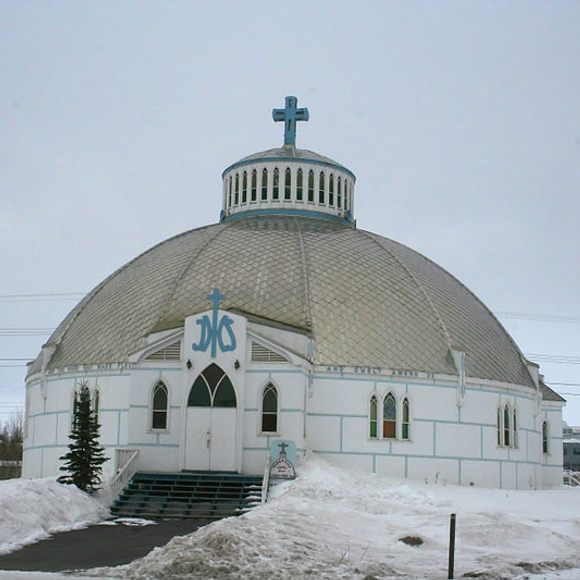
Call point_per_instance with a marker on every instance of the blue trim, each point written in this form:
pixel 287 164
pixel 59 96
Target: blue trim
pixel 291 410
pixel 306 160
pixel 285 211
pixel 419 456
pixel 335 415
pixel 251 410
pixel 174 445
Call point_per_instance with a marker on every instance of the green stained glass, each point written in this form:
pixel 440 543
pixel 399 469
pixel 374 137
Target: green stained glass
pixel 199 394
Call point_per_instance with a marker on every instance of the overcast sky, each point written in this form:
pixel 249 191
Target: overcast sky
pixel 460 119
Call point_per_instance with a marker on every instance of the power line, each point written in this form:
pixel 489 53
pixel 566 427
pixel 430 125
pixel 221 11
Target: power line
pixel 43 297
pixel 574 319
pixel 26 331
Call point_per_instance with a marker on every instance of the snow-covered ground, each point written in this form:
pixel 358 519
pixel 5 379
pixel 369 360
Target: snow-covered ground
pixel 32 509
pixel 336 523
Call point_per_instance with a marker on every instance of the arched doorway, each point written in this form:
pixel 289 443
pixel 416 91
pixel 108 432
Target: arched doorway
pixel 210 436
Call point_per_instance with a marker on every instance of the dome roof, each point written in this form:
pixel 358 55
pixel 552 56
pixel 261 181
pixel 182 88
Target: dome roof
pixel 288 154
pixel 366 300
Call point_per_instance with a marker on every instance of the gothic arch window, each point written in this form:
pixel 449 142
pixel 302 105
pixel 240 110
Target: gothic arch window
pixel 346 204
pixel 264 184
pixel 339 194
pixel 74 404
pixel 299 185
pixel 311 186
pixel 331 190
pixel 373 417
pixel 545 437
pixel 212 388
pixel 321 188
pixel 270 409
pixel 389 417
pixel 160 406
pixel 230 192
pixel 237 190
pixel 287 184
pixel 498 426
pixel 405 423
pixel 276 185
pixel 254 185
pixel 244 187
pixel 96 403
pixel 514 428
pixel 506 426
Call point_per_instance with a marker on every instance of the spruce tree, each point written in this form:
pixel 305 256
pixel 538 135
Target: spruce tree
pixel 84 460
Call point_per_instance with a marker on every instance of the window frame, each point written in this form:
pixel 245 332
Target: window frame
pixel 545 437
pixel 269 385
pixel 373 400
pixel 152 410
pixel 390 395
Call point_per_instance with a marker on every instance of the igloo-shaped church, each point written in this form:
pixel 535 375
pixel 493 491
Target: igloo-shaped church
pixel 285 320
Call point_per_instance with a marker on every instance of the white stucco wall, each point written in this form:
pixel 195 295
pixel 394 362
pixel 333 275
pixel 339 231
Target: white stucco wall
pixel 325 409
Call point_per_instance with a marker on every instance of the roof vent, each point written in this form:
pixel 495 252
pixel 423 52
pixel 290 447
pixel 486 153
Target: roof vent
pixel 262 354
pixel 169 352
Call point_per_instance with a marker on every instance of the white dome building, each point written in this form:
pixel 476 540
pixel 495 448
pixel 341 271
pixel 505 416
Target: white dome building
pixel 285 320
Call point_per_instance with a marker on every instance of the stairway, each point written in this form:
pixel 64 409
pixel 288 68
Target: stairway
pixel 195 495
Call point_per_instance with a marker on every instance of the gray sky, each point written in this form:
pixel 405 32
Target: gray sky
pixel 461 121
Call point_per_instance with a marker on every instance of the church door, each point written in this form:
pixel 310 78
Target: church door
pixel 210 443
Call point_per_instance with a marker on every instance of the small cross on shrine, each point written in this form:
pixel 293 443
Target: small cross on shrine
pixel 290 114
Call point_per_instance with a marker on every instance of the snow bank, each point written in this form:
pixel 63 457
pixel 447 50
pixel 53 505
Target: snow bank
pixel 335 523
pixel 32 509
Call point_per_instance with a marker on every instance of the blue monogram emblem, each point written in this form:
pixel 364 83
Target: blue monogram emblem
pixel 212 331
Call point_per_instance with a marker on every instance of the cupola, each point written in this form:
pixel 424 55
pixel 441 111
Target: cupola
pixel 287 180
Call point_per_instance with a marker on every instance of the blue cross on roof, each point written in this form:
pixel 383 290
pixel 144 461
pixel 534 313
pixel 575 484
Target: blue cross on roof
pixel 290 114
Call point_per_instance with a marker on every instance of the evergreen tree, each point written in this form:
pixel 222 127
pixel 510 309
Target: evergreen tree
pixel 85 456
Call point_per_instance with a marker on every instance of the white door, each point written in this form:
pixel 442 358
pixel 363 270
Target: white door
pixel 211 420
pixel 197 437
pixel 222 445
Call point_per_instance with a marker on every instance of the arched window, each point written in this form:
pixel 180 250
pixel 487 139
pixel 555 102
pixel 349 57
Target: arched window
pixel 299 185
pixel 373 420
pixel 264 184
pixel 212 388
pixel 276 185
pixel 321 188
pixel 545 438
pixel 160 405
pixel 75 403
pixel 345 195
pixel 230 193
pixel 339 194
pixel 96 403
pixel 506 426
pixel 254 185
pixel 245 187
pixel 311 186
pixel 270 409
pixel 406 428
pixel 287 183
pixel 237 190
pixel 499 425
pixel 331 190
pixel 514 428
pixel 389 417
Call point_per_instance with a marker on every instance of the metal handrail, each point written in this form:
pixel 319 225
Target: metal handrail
pixel 126 469
pixel 572 478
pixel 266 481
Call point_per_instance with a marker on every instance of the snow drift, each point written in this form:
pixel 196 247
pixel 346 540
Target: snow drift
pixel 335 523
pixel 32 509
